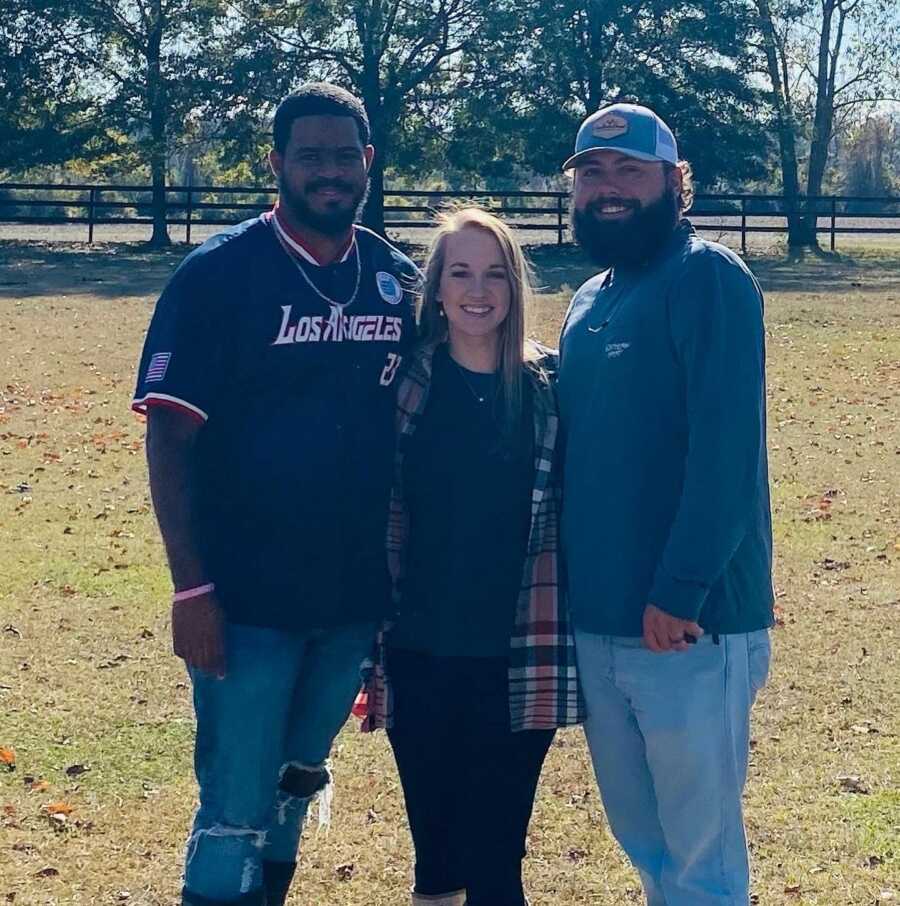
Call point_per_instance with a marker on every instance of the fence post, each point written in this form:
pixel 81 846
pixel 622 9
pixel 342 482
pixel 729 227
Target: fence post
pixel 187 227
pixel 559 220
pixel 743 225
pixel 833 219
pixel 91 203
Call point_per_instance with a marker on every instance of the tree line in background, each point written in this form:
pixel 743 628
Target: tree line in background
pixel 792 96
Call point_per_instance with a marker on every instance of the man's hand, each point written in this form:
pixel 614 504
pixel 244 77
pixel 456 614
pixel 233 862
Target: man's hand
pixel 663 632
pixel 198 634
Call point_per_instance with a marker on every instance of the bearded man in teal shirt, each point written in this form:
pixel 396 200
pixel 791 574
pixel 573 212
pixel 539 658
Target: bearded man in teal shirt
pixel 666 517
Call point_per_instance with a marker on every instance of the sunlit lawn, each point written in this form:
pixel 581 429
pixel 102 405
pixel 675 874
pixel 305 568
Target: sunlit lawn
pixel 97 709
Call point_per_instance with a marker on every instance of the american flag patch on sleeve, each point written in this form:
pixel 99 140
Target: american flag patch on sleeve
pixel 156 370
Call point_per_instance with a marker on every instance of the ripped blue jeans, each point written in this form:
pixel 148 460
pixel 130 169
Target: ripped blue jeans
pixel 263 736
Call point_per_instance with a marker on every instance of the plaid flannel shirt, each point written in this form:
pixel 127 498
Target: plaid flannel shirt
pixel 543 683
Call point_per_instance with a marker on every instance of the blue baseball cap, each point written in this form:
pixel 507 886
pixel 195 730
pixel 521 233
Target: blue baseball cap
pixel 627 128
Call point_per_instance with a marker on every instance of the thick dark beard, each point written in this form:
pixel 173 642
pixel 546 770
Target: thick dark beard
pixel 331 224
pixel 629 243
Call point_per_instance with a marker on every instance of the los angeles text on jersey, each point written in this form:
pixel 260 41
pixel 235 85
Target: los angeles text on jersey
pixel 337 328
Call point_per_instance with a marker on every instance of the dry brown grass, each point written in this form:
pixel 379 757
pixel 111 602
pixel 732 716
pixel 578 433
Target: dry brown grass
pixel 87 678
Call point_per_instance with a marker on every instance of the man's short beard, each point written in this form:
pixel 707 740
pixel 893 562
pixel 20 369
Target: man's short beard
pixel 332 223
pixel 627 243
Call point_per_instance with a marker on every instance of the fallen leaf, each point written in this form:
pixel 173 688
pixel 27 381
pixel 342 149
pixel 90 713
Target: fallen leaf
pixel 117 661
pixel 852 783
pixel 345 871
pixel 793 890
pixel 39 786
pixel 863 729
pixel 75 770
pixel 8 758
pixel 59 808
pixel 48 872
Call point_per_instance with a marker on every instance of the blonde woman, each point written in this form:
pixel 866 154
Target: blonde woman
pixel 478 671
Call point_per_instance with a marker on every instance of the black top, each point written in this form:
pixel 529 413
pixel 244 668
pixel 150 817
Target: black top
pixel 469 502
pixel 295 458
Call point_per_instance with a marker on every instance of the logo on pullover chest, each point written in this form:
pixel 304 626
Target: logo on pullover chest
pixel 614 350
pixel 337 328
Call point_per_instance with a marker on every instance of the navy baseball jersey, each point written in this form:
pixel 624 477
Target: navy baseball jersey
pixel 291 368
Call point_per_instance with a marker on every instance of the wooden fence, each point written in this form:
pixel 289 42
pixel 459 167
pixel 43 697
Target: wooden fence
pixel 192 206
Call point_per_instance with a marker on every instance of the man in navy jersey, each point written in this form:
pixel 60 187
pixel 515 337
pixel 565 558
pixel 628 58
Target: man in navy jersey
pixel 267 379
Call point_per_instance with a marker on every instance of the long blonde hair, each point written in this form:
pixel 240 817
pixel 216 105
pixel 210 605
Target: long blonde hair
pixel 514 348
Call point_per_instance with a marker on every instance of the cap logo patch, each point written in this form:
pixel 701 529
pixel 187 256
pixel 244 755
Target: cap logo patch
pixel 389 287
pixel 610 126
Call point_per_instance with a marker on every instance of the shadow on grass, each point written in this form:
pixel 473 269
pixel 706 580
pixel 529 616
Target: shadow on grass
pixel 29 269
pixel 827 273
pixel 117 270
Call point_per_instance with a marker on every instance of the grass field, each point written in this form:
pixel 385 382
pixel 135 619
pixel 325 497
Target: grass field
pixel 97 711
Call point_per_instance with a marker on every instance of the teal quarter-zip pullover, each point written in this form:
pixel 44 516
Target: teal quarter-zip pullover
pixel 662 398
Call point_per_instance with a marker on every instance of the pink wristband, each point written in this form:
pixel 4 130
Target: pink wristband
pixel 195 592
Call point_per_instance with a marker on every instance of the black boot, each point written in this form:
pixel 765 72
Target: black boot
pixel 277 878
pixel 254 898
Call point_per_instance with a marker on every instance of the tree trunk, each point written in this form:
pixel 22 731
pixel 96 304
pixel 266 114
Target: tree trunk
pixel 818 160
pixel 160 236
pixel 798 235
pixel 373 213
pixel 823 124
pixel 595 88
pixel 156 102
pixel 802 231
pixel 790 180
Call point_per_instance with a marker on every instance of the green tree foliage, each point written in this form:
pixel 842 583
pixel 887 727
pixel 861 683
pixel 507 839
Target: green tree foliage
pixel 565 58
pixel 44 120
pixel 146 64
pixel 483 92
pixel 870 161
pixel 395 55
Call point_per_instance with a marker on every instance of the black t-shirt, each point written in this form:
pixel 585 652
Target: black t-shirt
pixel 295 458
pixel 469 502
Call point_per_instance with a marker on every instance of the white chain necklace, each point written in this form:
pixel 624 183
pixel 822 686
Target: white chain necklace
pixel 333 302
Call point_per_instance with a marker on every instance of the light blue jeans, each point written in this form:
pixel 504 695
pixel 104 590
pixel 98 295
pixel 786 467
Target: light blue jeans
pixel 669 736
pixel 263 735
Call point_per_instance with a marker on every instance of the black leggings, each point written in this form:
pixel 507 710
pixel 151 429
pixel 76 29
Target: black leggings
pixel 468 780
